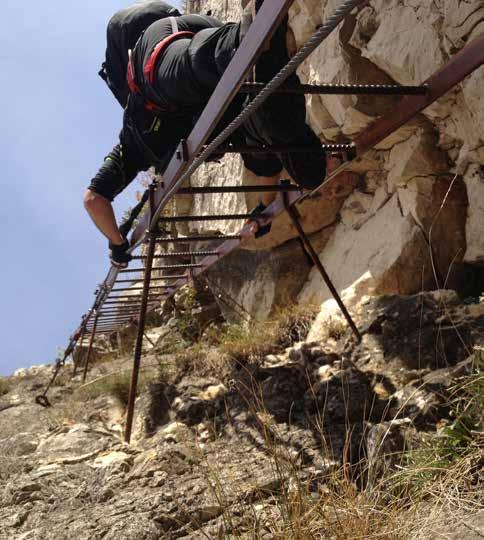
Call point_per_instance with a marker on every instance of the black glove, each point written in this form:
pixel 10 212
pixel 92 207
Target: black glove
pixel 256 212
pixel 118 254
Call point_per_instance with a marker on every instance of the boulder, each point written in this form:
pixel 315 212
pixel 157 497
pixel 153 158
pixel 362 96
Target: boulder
pixel 474 181
pixel 367 261
pixel 256 282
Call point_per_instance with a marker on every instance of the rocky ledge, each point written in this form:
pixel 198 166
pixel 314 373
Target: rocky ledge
pixel 218 450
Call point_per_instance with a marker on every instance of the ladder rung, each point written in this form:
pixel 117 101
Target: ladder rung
pixel 142 288
pixel 281 149
pixel 180 254
pixel 237 189
pixel 105 320
pixel 152 297
pixel 348 89
pixel 157 268
pixel 209 217
pixel 139 280
pixel 122 312
pixel 125 304
pixel 197 238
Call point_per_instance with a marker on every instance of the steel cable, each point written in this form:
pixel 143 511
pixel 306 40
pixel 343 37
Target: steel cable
pixel 317 38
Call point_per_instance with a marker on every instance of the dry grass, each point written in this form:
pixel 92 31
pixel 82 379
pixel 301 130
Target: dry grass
pixel 229 345
pixel 421 489
pixel 117 385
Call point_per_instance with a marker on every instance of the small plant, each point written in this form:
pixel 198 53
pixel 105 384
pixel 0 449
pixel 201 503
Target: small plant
pixel 252 343
pixel 5 386
pixel 335 328
pixel 437 455
pixel 116 385
pixel 186 324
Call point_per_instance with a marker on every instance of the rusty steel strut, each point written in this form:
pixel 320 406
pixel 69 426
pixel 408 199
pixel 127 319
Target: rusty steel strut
pixel 78 349
pixel 294 215
pixel 89 350
pixel 141 326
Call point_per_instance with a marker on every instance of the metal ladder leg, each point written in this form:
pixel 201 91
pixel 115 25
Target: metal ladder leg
pixel 91 343
pixel 141 328
pixel 293 214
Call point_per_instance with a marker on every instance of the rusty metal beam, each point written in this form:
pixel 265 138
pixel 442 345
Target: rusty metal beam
pixel 123 304
pixel 89 351
pixel 452 73
pixel 293 214
pixel 139 280
pixel 116 316
pixel 275 149
pixel 139 342
pixel 78 349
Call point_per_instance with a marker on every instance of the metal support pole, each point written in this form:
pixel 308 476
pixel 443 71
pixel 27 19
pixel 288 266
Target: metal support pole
pixel 79 348
pixel 293 214
pixel 141 328
pixel 89 351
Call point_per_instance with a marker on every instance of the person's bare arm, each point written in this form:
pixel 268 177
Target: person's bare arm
pixel 101 212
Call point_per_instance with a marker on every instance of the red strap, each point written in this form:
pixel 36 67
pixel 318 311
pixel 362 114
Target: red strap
pixel 130 78
pixel 153 107
pixel 149 70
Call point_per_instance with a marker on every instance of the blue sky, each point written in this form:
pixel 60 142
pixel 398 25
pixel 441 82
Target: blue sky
pixel 59 120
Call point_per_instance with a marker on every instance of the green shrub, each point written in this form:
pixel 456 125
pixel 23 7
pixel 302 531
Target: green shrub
pixel 452 445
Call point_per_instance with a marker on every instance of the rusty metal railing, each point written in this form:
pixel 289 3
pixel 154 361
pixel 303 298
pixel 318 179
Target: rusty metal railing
pixel 113 308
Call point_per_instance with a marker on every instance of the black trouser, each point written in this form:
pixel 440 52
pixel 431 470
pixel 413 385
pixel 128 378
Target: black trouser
pixel 281 120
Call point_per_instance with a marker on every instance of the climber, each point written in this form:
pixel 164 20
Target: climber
pixel 171 73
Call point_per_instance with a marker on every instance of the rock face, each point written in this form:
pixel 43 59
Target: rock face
pixel 214 452
pixel 410 214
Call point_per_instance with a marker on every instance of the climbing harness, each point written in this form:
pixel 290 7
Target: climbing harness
pixel 149 69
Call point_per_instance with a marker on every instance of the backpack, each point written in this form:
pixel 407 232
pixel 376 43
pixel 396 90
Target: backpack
pixel 123 31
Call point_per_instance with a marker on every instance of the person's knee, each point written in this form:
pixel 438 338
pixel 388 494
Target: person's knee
pixel 266 165
pixel 308 170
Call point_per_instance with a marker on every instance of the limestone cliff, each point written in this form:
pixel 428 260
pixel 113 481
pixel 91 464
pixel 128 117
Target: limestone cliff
pixel 409 215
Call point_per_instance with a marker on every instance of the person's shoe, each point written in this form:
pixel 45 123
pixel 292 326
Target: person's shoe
pixel 307 169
